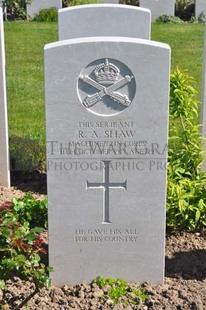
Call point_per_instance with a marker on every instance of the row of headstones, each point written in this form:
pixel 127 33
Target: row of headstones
pixel 106 88
pixel 157 7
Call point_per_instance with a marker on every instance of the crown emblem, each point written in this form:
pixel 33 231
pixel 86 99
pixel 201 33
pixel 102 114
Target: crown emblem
pixel 106 73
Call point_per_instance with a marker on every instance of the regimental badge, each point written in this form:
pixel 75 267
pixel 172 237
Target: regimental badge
pixel 106 87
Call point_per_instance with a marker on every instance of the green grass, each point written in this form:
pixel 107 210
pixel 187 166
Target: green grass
pixel 25 74
pixel 186 42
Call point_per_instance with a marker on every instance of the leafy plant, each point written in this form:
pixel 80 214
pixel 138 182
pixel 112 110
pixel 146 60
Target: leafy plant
pixel 186 195
pixel 27 154
pixel 202 17
pixel 65 3
pixel 16 8
pixel 31 210
pixel 47 15
pixel 80 2
pixel 165 19
pixel 118 288
pixel 183 4
pixel 185 9
pixel 21 242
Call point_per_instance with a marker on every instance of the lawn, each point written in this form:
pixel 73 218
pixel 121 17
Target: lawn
pixel 186 42
pixel 25 76
pixel 25 73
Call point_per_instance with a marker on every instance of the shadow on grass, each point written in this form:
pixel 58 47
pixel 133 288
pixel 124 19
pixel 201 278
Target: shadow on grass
pixel 28 164
pixel 187 265
pixel 29 181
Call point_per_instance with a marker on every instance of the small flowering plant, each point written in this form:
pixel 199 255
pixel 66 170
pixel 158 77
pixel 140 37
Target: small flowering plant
pixel 22 246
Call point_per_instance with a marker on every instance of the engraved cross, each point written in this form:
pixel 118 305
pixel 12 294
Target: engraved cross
pixel 106 185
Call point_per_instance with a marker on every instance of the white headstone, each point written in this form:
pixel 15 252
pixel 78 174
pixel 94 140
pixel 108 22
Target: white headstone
pixel 159 7
pixel 200 7
pixel 106 119
pixel 104 20
pixel 4 145
pixel 109 1
pixel 35 6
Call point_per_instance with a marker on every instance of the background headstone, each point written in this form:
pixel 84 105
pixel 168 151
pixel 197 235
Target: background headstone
pixel 4 9
pixel 109 1
pixel 104 20
pixel 106 119
pixel 159 7
pixel 4 146
pixel 37 5
pixel 200 7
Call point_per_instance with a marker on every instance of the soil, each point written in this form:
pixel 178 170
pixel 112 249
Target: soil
pixel 185 272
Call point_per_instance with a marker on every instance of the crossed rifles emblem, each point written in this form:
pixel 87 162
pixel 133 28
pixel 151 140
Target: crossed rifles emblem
pixel 90 100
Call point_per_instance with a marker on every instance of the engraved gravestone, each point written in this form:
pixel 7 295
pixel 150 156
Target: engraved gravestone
pixel 106 119
pixel 4 146
pixel 104 20
pixel 159 7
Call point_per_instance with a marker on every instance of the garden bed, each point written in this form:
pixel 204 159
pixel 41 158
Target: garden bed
pixel 185 270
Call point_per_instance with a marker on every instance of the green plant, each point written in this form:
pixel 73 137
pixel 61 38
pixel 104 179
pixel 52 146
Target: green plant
pixel 65 3
pixel 27 154
pixel 31 210
pixel 21 241
pixel 183 4
pixel 47 15
pixel 202 17
pixel 165 19
pixel 80 2
pixel 186 195
pixel 185 9
pixel 118 288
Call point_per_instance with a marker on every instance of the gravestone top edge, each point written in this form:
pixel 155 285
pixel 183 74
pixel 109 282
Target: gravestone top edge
pixel 110 5
pixel 106 39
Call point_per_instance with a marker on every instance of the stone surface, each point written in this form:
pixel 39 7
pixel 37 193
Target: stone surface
pixel 109 1
pixel 4 147
pixel 159 7
pixel 106 152
pixel 104 20
pixel 37 5
pixel 200 6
